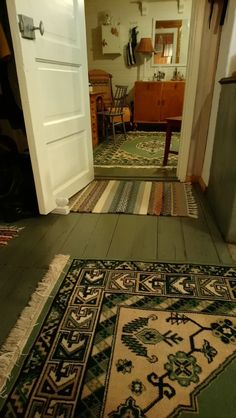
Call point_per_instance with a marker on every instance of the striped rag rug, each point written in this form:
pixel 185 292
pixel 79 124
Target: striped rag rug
pixel 136 197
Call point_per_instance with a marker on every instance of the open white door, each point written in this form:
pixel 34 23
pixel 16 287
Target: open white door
pixel 53 79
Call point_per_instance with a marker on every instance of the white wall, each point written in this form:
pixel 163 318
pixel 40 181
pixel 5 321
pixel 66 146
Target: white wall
pixel 226 65
pixel 128 13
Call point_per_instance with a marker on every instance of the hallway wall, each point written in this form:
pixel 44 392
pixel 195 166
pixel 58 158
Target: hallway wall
pixel 225 66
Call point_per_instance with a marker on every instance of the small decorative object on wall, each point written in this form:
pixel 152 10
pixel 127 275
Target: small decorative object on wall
pixel 107 19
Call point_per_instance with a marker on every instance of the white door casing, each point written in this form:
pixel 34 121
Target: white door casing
pixel 53 80
pixel 194 50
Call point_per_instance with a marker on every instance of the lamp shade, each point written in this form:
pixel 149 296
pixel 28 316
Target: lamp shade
pixel 145 46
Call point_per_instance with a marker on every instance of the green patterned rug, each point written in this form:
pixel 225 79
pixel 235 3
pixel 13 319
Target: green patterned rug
pixel 139 149
pixel 123 339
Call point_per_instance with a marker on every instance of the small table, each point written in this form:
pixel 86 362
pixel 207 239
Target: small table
pixel 173 124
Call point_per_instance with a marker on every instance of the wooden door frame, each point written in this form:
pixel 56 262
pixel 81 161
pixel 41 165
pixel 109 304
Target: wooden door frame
pixel 196 27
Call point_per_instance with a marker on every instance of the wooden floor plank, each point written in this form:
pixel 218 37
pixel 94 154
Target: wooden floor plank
pixel 145 239
pixel 171 244
pixel 76 243
pixel 18 251
pixel 199 245
pixel 101 238
pixel 52 242
pixel 221 247
pixel 134 238
pixel 20 283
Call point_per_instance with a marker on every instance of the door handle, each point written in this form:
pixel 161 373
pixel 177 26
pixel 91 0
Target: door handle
pixel 27 28
pixel 40 28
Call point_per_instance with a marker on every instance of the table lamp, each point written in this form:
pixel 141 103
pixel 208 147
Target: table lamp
pixel 145 47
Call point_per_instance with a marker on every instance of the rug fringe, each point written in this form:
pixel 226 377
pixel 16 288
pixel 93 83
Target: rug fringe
pixel 192 204
pixel 7 232
pixel 13 347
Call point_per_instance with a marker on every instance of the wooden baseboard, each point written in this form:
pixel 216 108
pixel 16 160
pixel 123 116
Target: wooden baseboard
pixel 192 179
pixel 197 179
pixel 202 184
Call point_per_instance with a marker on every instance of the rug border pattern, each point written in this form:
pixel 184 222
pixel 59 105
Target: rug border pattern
pixel 229 272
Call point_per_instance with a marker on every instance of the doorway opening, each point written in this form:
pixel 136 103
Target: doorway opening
pixel 119 158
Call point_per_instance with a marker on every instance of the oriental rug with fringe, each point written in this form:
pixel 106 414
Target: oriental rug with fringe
pixel 127 339
pixel 138 149
pixel 136 197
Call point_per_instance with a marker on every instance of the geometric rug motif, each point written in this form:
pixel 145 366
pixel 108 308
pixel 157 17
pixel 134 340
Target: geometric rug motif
pixel 136 197
pixel 128 339
pixel 138 149
pixel 7 233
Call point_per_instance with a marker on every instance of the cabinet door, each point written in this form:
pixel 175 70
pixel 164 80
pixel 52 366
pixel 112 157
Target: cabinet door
pixel 172 99
pixel 111 39
pixel 147 101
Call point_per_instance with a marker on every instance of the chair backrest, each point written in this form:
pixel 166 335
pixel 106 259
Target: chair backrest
pixel 102 83
pixel 119 99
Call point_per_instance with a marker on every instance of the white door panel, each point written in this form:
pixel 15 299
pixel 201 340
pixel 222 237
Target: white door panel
pixel 53 79
pixel 66 115
pixel 73 149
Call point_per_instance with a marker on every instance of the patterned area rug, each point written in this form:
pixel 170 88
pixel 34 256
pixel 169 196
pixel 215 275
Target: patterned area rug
pixel 131 339
pixel 139 149
pixel 7 233
pixel 136 197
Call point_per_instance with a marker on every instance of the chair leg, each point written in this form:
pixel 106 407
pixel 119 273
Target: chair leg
pixel 104 127
pixel 113 130
pixel 123 124
pixel 107 127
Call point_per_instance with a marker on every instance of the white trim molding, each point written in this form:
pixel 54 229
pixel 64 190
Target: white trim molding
pixel 195 38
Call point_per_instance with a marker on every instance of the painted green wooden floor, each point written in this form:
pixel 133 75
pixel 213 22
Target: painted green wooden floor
pixel 126 237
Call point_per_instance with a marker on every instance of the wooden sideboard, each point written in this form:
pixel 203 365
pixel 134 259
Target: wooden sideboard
pixel 94 97
pixel 154 101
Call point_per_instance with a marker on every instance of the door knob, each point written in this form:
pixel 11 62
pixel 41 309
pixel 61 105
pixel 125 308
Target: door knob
pixel 40 28
pixel 27 28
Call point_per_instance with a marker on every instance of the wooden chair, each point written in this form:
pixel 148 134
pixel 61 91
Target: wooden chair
pixel 173 125
pixel 102 83
pixel 114 115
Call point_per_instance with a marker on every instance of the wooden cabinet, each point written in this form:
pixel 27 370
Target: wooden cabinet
pixel 111 43
pixel 94 97
pixel 154 101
